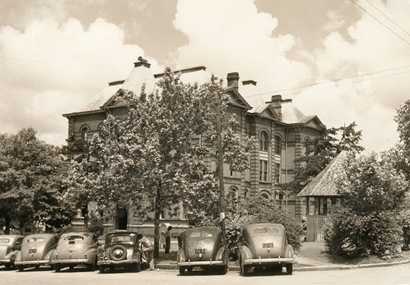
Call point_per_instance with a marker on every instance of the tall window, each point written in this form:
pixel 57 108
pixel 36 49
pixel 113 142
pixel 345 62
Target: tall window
pixel 278 145
pixel 233 198
pixel 84 132
pixel 263 170
pixel 264 142
pixel 277 173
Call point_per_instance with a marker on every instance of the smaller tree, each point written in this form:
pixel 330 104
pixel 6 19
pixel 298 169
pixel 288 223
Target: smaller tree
pixel 369 221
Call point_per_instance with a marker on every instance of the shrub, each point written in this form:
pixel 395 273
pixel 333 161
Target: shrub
pixel 352 235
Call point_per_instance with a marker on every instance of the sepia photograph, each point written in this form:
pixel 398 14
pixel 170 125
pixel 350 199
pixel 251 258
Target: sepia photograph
pixel 173 142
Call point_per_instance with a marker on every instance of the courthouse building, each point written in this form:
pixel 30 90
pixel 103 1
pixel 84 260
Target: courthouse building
pixel 283 133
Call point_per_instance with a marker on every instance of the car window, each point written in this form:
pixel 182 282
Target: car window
pixel 35 239
pixel 201 235
pixel 121 238
pixel 73 238
pixel 265 230
pixel 4 240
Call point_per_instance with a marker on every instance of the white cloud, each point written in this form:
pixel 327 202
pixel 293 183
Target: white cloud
pixel 50 69
pixel 232 35
pixel 372 102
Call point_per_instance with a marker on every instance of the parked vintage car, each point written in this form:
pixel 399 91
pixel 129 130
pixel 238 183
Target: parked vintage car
pixel 123 249
pixel 10 245
pixel 201 247
pixel 75 249
pixel 265 245
pixel 36 250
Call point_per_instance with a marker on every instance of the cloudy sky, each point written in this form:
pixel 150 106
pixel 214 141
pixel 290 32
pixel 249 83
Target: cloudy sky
pixel 55 56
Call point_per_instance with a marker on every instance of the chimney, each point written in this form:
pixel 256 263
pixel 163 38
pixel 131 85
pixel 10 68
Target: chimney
pixel 233 79
pixel 142 62
pixel 275 104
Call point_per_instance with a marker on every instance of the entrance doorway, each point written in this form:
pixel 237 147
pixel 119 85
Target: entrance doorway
pixel 122 218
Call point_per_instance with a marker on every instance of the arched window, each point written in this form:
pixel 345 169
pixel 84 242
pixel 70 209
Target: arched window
pixel 84 131
pixel 265 195
pixel 278 144
pixel 264 141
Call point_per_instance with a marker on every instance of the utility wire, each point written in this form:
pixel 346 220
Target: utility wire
pixel 362 76
pixel 380 22
pixel 388 17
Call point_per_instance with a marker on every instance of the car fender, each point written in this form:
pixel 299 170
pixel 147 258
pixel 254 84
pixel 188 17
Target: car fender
pixel 12 255
pixel 220 253
pixel 289 251
pixel 50 254
pixel 245 252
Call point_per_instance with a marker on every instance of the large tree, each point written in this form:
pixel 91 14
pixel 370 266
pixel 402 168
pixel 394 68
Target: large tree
pixel 160 152
pixel 31 182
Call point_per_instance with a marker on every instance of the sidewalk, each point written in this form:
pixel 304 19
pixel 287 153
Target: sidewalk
pixel 313 256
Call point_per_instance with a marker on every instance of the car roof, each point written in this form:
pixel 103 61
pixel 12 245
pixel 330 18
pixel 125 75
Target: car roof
pixel 257 225
pixel 41 235
pixel 77 234
pixel 203 229
pixel 121 232
pixel 10 236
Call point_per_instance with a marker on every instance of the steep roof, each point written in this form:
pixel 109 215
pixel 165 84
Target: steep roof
pixel 324 183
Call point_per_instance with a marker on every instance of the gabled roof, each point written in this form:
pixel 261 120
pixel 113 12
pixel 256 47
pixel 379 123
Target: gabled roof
pixel 324 183
pixel 237 99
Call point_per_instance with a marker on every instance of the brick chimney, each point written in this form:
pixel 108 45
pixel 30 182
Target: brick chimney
pixel 233 79
pixel 275 104
pixel 142 62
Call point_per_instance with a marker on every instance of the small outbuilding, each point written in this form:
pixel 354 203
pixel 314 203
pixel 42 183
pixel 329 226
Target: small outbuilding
pixel 321 197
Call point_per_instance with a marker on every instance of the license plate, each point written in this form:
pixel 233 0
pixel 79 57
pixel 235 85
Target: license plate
pixel 32 250
pixel 199 250
pixel 267 245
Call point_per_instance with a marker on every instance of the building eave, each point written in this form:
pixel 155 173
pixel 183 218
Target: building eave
pixel 82 113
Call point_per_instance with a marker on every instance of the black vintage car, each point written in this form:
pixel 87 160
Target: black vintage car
pixel 122 249
pixel 202 247
pixel 265 245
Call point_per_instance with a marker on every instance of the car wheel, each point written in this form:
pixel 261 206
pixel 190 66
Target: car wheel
pixel 20 268
pixel 101 269
pixel 289 269
pixel 181 271
pixel 57 268
pixel 138 267
pixel 224 269
pixel 7 266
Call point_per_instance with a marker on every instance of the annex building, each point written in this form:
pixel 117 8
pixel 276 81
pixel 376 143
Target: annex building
pixel 283 133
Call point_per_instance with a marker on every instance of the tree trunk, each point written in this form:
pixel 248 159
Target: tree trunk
pixel 157 212
pixel 7 224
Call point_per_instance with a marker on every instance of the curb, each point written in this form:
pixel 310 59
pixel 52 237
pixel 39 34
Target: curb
pixel 173 266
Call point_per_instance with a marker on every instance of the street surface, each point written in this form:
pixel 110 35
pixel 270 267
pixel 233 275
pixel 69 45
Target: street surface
pixel 394 275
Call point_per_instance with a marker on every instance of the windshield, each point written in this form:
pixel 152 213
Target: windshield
pixel 4 240
pixel 35 239
pixel 121 239
pixel 201 235
pixel 266 230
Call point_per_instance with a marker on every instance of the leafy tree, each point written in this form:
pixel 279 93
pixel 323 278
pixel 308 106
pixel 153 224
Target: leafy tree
pixel 334 141
pixel 158 155
pixel 369 221
pixel 31 182
pixel 403 126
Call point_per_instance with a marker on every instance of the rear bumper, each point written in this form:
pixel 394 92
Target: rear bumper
pixel 70 261
pixel 5 262
pixel 32 262
pixel 119 262
pixel 201 263
pixel 267 261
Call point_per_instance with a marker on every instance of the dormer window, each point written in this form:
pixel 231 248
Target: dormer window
pixel 264 142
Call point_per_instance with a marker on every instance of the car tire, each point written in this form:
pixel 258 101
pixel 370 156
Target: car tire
pixel 57 268
pixel 7 267
pixel 181 270
pixel 138 267
pixel 101 269
pixel 20 268
pixel 289 269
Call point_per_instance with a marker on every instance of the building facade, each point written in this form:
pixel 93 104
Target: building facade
pixel 282 133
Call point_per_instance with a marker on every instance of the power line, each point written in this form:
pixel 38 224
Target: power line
pixel 388 17
pixel 362 76
pixel 380 22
